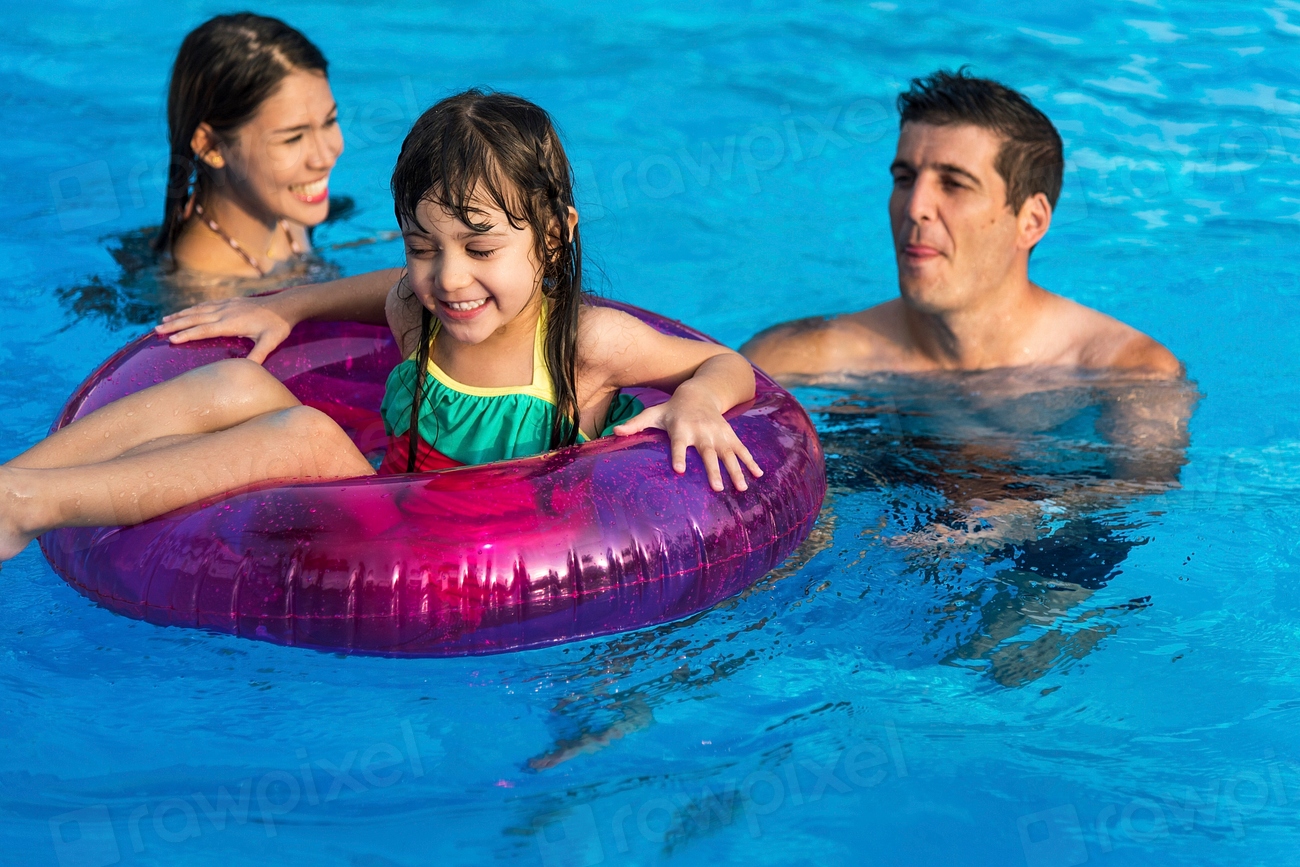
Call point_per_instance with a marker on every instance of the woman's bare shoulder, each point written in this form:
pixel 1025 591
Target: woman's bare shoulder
pixel 199 251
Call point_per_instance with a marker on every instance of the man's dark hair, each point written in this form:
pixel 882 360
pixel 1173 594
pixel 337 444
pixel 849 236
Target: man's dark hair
pixel 1031 159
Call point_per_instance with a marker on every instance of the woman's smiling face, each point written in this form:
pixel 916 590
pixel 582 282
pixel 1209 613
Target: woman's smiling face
pixel 477 283
pixel 278 164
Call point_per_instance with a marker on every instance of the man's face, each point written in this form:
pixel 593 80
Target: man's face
pixel 955 237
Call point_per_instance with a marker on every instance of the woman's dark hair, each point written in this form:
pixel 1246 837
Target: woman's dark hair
pixel 478 147
pixel 225 69
pixel 1031 159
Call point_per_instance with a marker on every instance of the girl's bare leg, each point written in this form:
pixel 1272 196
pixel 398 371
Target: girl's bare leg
pixel 293 443
pixel 209 398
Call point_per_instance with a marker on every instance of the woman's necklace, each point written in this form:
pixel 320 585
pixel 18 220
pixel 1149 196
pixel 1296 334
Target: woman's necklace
pixel 234 245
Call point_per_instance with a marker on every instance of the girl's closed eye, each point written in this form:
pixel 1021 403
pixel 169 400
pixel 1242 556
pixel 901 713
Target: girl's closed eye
pixel 481 253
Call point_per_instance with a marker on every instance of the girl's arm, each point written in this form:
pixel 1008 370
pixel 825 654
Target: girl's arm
pixel 705 380
pixel 268 319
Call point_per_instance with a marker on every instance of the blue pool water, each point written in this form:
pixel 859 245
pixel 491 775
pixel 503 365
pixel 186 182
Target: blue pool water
pixel 883 699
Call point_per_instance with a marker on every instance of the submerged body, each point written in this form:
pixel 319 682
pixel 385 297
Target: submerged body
pixel 1010 496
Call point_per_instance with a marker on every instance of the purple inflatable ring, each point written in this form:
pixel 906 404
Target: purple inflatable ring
pixel 585 541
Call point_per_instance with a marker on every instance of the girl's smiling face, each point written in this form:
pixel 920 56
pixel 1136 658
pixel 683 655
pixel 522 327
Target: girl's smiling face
pixel 478 283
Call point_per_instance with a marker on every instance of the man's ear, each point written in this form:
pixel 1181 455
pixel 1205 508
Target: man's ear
pixel 1034 220
pixel 207 146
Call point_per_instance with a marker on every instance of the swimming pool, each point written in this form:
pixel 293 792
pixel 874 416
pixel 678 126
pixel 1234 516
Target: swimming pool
pixel 875 701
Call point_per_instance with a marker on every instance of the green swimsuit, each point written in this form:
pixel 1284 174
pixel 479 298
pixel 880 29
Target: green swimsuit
pixel 467 424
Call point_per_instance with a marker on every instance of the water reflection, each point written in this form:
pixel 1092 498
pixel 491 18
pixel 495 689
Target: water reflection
pixel 145 287
pixel 611 691
pixel 970 522
pixel 1009 496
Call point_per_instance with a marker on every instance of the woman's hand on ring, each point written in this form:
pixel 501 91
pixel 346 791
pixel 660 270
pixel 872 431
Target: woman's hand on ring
pixel 232 317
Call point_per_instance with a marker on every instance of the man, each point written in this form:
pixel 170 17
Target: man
pixel 1030 518
pixel 976 177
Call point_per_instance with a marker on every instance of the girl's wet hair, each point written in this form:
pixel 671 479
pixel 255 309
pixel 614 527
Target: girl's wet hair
pixel 479 148
pixel 225 69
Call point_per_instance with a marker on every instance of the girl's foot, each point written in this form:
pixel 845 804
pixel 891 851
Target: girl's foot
pixel 16 528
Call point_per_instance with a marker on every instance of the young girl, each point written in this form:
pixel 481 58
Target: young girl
pixel 504 357
pixel 253 131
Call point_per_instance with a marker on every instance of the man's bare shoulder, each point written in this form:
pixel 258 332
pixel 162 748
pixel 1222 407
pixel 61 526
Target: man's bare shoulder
pixel 822 346
pixel 1099 341
pixel 1145 354
pixel 797 348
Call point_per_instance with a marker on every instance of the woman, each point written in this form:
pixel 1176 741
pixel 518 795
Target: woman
pixel 254 133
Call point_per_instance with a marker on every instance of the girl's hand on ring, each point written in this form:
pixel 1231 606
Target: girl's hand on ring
pixel 691 423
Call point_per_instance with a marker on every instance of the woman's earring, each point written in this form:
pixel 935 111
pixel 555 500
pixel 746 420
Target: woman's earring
pixel 214 159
